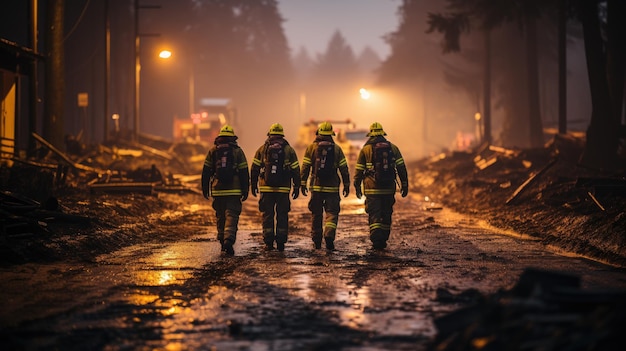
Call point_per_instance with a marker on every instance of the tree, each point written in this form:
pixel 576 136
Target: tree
pixel 239 43
pixel 409 55
pixel 337 61
pixel 333 82
pixel 368 61
pixel 604 31
pixel 487 15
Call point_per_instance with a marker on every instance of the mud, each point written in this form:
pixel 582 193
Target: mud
pixel 162 283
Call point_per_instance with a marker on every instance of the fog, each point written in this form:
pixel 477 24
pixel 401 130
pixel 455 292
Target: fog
pixel 423 114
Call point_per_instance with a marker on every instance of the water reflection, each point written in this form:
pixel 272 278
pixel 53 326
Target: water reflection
pixel 349 301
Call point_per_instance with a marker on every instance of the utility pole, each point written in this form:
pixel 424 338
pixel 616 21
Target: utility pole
pixel 562 66
pixel 32 86
pixel 138 35
pixel 487 88
pixel 107 67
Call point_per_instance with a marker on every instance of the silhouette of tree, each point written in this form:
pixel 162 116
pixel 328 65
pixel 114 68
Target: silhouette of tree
pixel 486 15
pixel 605 49
pixel 368 62
pixel 409 55
pixel 338 61
pixel 303 64
pixel 240 42
pixel 604 31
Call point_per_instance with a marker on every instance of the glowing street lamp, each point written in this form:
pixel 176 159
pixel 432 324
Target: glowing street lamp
pixel 165 54
pixel 365 94
pixel 479 131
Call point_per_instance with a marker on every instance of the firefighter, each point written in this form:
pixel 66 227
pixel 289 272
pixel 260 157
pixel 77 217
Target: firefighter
pixel 225 177
pixel 275 169
pixel 377 166
pixel 322 159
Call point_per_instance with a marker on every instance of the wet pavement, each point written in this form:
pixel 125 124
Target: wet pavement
pixel 186 295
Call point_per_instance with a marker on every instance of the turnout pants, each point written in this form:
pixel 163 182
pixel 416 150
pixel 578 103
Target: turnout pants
pixel 227 211
pixel 319 203
pixel 379 209
pixel 275 209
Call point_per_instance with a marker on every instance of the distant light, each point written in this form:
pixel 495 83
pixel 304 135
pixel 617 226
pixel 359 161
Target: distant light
pixel 115 116
pixel 364 94
pixel 165 54
pixel 477 116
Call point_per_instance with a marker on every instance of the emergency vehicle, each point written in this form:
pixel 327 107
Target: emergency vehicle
pixel 204 125
pixel 350 138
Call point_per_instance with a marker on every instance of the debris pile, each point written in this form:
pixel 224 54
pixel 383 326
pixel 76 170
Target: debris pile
pixel 544 311
pixel 143 167
pixel 56 204
pixel 540 192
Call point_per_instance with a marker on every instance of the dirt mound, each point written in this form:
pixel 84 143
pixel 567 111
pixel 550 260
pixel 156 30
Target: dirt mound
pixel 539 192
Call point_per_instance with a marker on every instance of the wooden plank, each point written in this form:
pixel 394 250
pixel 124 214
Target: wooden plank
pixel 593 198
pixel 528 181
pixel 64 156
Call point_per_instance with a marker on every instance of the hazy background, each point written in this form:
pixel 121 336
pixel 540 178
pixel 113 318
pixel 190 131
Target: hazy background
pixel 291 61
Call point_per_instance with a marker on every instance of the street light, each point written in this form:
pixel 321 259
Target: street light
pixel 479 130
pixel 365 94
pixel 166 54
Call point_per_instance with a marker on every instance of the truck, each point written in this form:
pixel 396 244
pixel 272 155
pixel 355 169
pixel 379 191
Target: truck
pixel 348 136
pixel 205 124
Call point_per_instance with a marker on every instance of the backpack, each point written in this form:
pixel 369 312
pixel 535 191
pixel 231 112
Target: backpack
pixel 384 163
pixel 224 162
pixel 274 163
pixel 325 160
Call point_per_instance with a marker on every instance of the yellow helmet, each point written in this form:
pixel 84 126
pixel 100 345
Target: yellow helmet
pixel 325 128
pixel 276 129
pixel 376 129
pixel 226 131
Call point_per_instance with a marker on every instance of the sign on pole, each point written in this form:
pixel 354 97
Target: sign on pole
pixel 83 99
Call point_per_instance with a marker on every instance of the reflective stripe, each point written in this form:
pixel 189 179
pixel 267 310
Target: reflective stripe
pixel 379 191
pixel 359 167
pixel 382 226
pixel 343 162
pixel 294 165
pixel 256 161
pixel 325 189
pixel 226 192
pixel 274 189
pixel 400 161
pixel 242 165
pixel 306 161
pixel 330 225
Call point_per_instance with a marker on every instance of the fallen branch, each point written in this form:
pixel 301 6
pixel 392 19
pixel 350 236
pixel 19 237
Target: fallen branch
pixel 593 198
pixel 528 181
pixel 65 158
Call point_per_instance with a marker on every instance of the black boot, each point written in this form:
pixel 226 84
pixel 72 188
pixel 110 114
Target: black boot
pixel 330 244
pixel 228 248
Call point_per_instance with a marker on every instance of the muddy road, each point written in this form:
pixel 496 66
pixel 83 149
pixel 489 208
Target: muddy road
pixel 186 295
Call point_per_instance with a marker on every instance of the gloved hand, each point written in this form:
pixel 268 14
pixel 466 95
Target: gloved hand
pixel 359 192
pixel 405 190
pixel 296 192
pixel 244 196
pixel 346 191
pixel 255 189
pixel 205 191
pixel 304 190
